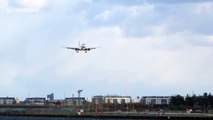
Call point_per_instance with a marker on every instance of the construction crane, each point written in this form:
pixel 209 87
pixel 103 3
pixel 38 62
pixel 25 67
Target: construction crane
pixel 79 93
pixel 79 96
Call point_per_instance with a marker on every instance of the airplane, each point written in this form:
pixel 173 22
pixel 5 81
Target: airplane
pixel 82 47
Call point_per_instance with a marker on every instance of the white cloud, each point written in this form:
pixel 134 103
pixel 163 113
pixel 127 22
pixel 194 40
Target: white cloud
pixel 23 6
pixel 118 14
pixel 138 9
pixel 35 4
pixel 210 39
pixel 3 4
pixel 8 73
pixel 204 8
pixel 22 10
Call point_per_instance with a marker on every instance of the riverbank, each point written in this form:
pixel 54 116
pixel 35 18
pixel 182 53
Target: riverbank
pixel 118 115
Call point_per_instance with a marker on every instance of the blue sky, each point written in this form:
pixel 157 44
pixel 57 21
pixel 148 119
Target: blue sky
pixel 148 47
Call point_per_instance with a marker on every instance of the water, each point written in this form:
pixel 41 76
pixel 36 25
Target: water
pixel 49 118
pixel 61 118
pixel 38 118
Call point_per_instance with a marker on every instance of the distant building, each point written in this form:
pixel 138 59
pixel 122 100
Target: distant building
pixel 7 100
pixel 50 96
pixel 99 99
pixel 75 100
pixel 35 100
pixel 158 100
pixel 56 102
pixel 17 100
pixel 111 99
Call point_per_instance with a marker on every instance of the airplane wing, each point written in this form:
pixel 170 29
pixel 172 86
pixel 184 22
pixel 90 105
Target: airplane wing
pixel 72 48
pixel 90 48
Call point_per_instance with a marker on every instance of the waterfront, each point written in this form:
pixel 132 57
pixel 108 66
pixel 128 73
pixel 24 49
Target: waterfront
pixel 49 118
pixel 63 118
pixel 107 116
pixel 58 118
pixel 43 118
pixel 31 118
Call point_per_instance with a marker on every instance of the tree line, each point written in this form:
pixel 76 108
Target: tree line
pixel 201 102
